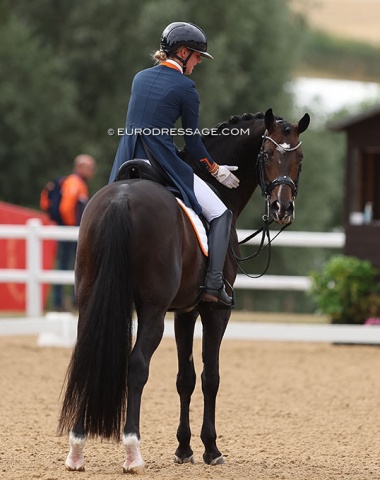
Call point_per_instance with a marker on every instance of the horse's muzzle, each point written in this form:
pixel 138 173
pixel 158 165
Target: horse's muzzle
pixel 282 212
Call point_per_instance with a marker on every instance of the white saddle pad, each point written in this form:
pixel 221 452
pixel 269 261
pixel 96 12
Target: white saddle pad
pixel 198 227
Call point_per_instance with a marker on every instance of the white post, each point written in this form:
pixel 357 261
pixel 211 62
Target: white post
pixel 33 266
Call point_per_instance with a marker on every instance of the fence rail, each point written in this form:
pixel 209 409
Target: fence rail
pixel 34 276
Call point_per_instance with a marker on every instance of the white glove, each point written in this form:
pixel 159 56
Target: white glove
pixel 225 177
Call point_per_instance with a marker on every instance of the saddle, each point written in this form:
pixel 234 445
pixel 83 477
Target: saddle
pixel 138 168
pixel 142 169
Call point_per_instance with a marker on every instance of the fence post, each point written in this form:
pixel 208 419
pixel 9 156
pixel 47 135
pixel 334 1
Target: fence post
pixel 34 266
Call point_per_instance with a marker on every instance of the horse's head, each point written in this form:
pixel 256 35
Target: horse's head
pixel 279 165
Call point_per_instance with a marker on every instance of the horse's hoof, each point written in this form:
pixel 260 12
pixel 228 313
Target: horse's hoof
pixel 75 459
pixel 136 470
pixel 184 460
pixel 218 461
pixel 74 468
pixel 134 462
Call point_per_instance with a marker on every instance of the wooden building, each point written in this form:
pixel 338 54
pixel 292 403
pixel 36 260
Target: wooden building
pixel 362 184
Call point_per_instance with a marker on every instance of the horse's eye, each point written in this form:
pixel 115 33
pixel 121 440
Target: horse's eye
pixel 299 156
pixel 267 156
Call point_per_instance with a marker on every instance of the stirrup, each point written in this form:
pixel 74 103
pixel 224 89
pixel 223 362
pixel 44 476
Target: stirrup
pixel 218 297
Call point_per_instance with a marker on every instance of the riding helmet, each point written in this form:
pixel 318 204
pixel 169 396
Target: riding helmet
pixel 184 34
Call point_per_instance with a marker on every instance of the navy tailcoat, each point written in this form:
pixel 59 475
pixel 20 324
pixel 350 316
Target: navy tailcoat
pixel 160 96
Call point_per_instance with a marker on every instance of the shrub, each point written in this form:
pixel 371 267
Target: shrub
pixel 346 290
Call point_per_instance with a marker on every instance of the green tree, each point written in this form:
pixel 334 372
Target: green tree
pixel 39 128
pixel 95 47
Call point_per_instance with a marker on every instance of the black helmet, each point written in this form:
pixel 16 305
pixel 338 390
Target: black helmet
pixel 184 34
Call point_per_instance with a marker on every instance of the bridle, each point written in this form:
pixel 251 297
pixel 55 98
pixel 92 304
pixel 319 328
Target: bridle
pixel 266 190
pixel 268 186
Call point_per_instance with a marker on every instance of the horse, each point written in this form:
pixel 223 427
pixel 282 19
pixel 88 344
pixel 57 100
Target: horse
pixel 138 254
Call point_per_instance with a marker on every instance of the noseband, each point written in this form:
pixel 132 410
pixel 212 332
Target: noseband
pixel 267 187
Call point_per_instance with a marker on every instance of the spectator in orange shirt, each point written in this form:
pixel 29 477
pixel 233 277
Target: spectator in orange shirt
pixel 74 199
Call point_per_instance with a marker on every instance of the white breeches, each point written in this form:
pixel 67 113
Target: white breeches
pixel 212 206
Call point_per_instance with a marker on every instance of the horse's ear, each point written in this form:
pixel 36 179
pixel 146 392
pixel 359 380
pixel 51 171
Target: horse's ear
pixel 269 119
pixel 303 123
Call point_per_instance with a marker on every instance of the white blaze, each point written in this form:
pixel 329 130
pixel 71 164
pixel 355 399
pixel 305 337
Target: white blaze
pixel 282 147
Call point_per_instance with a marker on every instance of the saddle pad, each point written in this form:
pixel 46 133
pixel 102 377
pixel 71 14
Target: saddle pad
pixel 198 227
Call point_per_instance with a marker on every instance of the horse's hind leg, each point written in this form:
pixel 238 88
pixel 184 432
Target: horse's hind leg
pixel 149 335
pixel 184 333
pixel 77 439
pixel 214 324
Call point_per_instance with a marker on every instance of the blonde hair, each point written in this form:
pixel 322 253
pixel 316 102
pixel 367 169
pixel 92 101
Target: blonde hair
pixel 160 56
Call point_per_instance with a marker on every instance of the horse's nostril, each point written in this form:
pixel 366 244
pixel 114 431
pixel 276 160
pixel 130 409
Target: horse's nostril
pixel 275 208
pixel 281 210
pixel 290 208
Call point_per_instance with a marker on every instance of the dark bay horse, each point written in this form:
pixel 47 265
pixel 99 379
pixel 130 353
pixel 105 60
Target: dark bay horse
pixel 138 252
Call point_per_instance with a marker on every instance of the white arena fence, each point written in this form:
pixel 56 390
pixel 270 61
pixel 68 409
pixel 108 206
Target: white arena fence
pixel 34 276
pixel 60 328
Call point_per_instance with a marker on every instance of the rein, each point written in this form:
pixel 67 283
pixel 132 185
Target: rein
pixel 264 230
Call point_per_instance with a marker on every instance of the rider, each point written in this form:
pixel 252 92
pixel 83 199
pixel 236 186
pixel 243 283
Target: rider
pixel 160 96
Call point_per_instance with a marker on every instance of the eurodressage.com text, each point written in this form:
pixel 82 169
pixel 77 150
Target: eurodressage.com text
pixel 179 131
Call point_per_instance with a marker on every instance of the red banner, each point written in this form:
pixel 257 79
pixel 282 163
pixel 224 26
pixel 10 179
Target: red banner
pixel 13 255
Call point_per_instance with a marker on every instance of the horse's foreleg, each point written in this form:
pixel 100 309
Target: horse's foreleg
pixel 77 440
pixel 184 333
pixel 150 331
pixel 214 325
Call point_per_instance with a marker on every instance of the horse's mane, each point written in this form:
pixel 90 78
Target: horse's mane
pixel 235 120
pixel 218 139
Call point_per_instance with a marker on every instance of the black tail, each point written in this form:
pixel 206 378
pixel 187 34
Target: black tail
pixel 97 375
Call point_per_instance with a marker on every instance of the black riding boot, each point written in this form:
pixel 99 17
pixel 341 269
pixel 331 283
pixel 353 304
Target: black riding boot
pixel 218 240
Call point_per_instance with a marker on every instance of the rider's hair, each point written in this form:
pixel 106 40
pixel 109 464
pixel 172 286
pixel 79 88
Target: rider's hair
pixel 160 56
